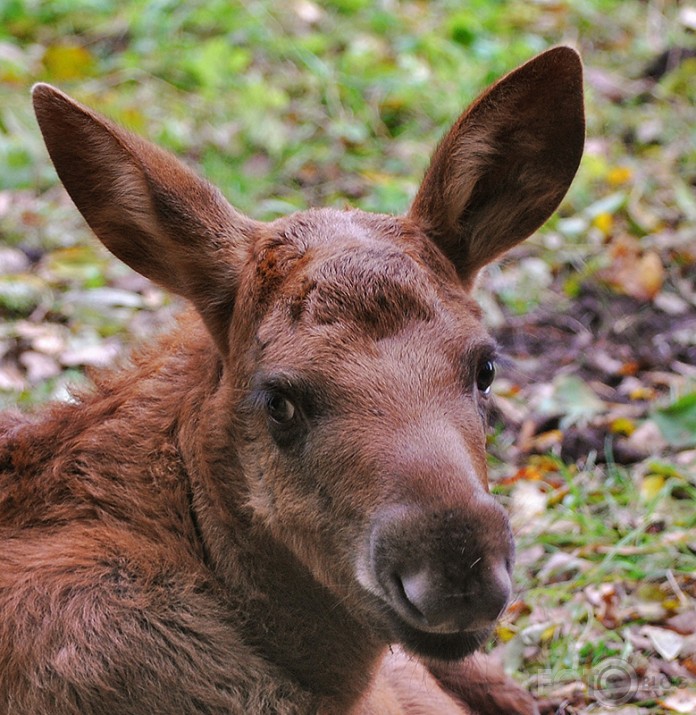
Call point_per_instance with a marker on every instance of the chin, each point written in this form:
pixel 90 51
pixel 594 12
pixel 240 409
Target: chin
pixel 440 646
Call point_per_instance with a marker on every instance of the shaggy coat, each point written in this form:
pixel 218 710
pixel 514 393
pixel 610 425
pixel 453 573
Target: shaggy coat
pixel 281 507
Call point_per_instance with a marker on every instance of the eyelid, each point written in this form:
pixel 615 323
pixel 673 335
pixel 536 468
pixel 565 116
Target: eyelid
pixel 304 394
pixel 476 355
pixel 490 353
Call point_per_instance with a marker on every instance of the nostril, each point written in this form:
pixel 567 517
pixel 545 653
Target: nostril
pixel 415 588
pixel 409 602
pixel 428 599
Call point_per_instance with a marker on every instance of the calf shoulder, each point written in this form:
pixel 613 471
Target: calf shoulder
pixel 97 621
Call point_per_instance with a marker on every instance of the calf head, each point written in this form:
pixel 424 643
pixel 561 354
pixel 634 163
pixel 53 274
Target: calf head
pixel 355 367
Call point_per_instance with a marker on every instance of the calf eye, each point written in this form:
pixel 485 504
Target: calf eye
pixel 286 421
pixel 485 376
pixel 280 409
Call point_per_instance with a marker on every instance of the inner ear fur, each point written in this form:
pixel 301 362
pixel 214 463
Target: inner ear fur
pixel 507 162
pixel 147 207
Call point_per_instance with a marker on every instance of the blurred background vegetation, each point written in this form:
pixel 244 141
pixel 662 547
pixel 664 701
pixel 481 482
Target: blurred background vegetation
pixel 292 104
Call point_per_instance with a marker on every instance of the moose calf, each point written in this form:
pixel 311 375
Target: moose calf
pixel 282 506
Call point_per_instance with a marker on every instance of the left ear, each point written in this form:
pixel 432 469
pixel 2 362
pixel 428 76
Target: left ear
pixel 506 164
pixel 148 208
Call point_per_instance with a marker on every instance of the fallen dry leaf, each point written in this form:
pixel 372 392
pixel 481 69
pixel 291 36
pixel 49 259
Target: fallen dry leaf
pixel 633 272
pixel 606 600
pixel 38 366
pixel 561 566
pixel 529 502
pixel 667 643
pixel 681 701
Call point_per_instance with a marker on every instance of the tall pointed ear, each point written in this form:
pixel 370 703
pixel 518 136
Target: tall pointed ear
pixel 506 164
pixel 147 208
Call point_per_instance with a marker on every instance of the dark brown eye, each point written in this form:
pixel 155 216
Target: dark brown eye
pixel 485 376
pixel 286 421
pixel 281 409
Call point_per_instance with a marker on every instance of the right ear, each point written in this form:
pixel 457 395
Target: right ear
pixel 506 164
pixel 147 208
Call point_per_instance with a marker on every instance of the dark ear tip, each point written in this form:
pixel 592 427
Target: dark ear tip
pixel 41 89
pixel 48 100
pixel 42 93
pixel 561 59
pixel 558 70
pixel 564 52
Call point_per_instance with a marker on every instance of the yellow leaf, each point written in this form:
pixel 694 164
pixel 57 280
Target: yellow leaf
pixel 544 462
pixel 642 393
pixel 604 222
pixel 651 486
pixel 671 604
pixel 622 425
pixel 548 634
pixel 504 633
pixel 619 175
pixel 65 62
pixel 530 473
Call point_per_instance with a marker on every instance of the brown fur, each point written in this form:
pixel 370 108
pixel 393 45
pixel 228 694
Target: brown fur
pixel 250 516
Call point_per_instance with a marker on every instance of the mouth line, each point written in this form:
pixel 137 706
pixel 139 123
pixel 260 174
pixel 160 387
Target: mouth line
pixel 444 645
pixel 421 626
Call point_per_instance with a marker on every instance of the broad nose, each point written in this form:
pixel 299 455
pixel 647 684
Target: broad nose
pixel 445 571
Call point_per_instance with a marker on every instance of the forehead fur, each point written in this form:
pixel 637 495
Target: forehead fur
pixel 374 271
